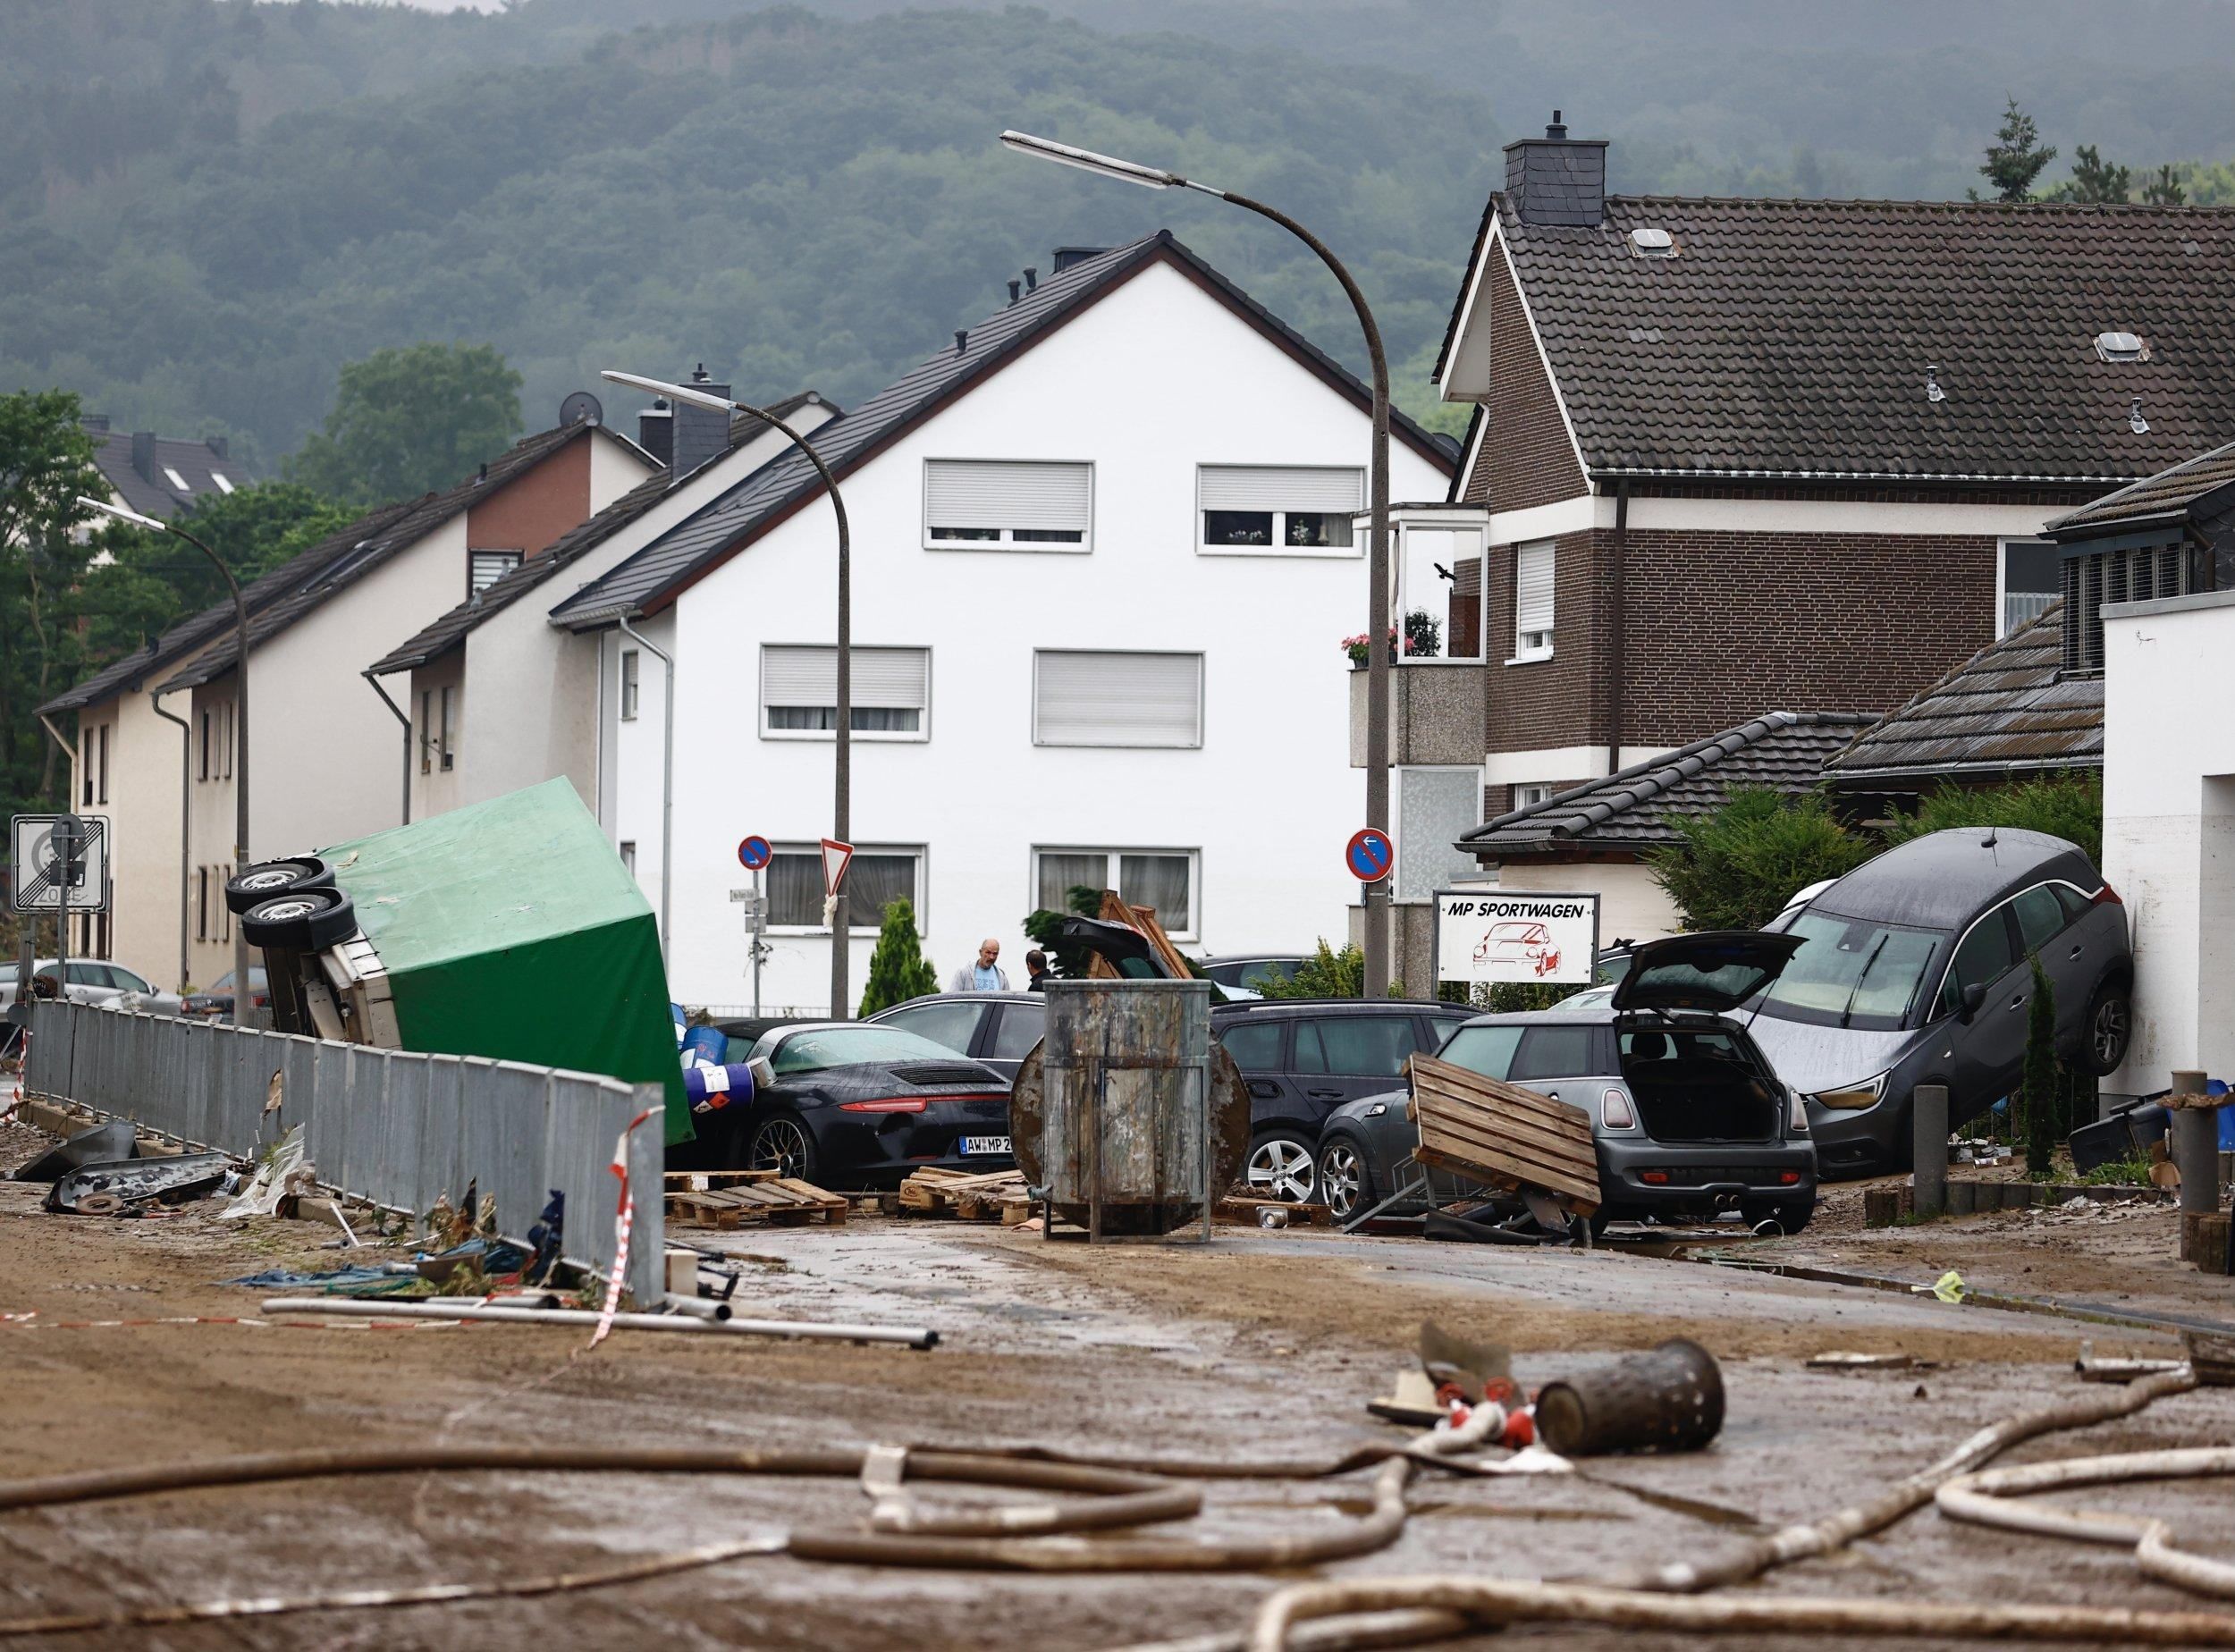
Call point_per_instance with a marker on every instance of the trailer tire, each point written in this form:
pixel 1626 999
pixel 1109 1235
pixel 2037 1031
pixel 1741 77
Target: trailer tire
pixel 308 920
pixel 269 879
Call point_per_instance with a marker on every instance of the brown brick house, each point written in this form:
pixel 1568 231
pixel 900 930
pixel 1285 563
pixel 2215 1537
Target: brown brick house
pixel 1735 455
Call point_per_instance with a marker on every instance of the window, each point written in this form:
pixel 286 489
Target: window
pixel 1553 1052
pixel 630 661
pixel 426 732
pixel 629 855
pixel 2119 347
pixel 1254 1045
pixel 484 568
pixel 1163 880
pixel 204 773
pixel 222 763
pixel 2029 582
pixel 1355 1046
pixel 88 738
pixel 224 484
pixel 1981 958
pixel 953 1023
pixel 1487 1051
pixel 449 728
pixel 1439 592
pixel 1117 699
pixel 176 480
pixel 1532 602
pixel 1020 1027
pixel 891 692
pixel 981 504
pixel 201 902
pixel 2135 574
pixel 1279 510
pixel 875 879
pixel 1528 796
pixel 102 770
pixel 2040 916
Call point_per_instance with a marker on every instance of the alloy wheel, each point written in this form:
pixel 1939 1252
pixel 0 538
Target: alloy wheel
pixel 2110 1032
pixel 1342 1179
pixel 781 1145
pixel 1280 1168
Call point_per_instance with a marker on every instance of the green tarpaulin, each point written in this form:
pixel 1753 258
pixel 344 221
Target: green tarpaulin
pixel 510 929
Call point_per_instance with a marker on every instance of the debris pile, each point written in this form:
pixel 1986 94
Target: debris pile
pixel 996 1196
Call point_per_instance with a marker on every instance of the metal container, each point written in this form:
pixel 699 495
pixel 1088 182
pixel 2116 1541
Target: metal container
pixel 1669 1398
pixel 1127 1113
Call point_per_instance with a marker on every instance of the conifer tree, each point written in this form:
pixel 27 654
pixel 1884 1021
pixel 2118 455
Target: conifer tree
pixel 898 970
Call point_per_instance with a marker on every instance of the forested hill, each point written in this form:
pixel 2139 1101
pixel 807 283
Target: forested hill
pixel 207 205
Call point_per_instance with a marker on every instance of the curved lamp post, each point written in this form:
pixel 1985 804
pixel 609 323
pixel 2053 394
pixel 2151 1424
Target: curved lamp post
pixel 242 993
pixel 842 800
pixel 1377 895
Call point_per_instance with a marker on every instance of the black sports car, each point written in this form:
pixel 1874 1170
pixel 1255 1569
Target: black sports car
pixel 857 1106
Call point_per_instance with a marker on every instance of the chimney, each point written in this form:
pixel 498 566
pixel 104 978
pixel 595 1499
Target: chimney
pixel 96 423
pixel 1557 178
pixel 1065 257
pixel 144 454
pixel 218 445
pixel 701 434
pixel 1031 283
pixel 655 430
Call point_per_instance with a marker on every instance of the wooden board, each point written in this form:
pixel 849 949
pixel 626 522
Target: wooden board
pixel 1143 919
pixel 974 1197
pixel 1501 1134
pixel 779 1200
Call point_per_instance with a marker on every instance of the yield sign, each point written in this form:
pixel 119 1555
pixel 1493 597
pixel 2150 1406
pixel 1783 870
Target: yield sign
pixel 835 857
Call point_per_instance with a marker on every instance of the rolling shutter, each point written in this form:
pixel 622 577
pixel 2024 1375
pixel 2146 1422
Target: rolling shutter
pixel 1012 494
pixel 1117 699
pixel 888 678
pixel 1533 588
pixel 1281 487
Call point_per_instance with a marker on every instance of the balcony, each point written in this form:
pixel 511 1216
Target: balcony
pixel 1435 713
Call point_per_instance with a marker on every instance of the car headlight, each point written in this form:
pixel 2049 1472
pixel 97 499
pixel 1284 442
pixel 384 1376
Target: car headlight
pixel 1852 1098
pixel 1377 1110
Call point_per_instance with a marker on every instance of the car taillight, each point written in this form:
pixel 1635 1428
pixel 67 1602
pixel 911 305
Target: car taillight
pixel 891 1104
pixel 1790 1178
pixel 1656 1177
pixel 2105 897
pixel 1796 1113
pixel 1615 1112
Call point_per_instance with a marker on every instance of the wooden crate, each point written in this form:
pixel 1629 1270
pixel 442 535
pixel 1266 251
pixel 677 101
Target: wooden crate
pixel 784 1202
pixel 974 1197
pixel 1502 1134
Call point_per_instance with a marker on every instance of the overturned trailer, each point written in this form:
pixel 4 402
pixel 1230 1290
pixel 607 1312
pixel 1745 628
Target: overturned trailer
pixel 509 929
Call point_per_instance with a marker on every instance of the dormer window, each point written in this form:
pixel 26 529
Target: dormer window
pixel 1651 243
pixel 2120 347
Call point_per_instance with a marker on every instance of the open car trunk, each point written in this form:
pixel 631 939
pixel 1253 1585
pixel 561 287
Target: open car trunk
pixel 1694 1085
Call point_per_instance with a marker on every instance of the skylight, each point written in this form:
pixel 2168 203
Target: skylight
pixel 2120 347
pixel 218 476
pixel 1653 243
pixel 177 480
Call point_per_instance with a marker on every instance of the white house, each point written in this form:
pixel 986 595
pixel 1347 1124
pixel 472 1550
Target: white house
pixel 1103 557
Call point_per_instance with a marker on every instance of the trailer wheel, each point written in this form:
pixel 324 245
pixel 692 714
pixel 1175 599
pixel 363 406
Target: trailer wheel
pixel 306 920
pixel 268 880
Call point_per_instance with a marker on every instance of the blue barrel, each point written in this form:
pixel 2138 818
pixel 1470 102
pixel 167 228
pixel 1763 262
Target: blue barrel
pixel 2227 1114
pixel 704 1044
pixel 711 1087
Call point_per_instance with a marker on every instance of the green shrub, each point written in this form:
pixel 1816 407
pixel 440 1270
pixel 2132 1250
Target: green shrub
pixel 1065 959
pixel 898 970
pixel 2063 806
pixel 1326 973
pixel 1737 867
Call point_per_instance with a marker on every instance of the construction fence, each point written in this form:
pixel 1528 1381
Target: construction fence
pixel 392 1127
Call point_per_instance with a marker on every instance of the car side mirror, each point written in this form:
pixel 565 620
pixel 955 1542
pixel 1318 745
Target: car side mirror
pixel 1974 996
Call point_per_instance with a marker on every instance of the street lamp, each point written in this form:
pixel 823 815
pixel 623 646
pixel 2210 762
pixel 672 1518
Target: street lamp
pixel 1376 895
pixel 242 997
pixel 842 801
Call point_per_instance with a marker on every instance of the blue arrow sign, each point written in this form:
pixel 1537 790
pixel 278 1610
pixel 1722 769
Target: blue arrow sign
pixel 753 853
pixel 1370 856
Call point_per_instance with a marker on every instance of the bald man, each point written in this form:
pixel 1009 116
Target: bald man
pixel 983 976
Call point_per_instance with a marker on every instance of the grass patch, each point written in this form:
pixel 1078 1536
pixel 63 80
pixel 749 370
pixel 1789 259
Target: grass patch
pixel 2131 1172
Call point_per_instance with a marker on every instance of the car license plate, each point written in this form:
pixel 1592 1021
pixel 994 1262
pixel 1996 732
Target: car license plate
pixel 975 1146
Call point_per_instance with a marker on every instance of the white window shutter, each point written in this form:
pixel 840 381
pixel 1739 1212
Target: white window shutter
pixel 1339 489
pixel 792 675
pixel 1532 589
pixel 1117 699
pixel 806 674
pixel 1012 494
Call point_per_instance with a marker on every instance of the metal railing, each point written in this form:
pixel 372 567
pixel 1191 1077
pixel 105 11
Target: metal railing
pixel 393 1127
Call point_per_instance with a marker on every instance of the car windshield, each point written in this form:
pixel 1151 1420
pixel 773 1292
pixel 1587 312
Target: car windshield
pixel 1852 972
pixel 223 983
pixel 832 1047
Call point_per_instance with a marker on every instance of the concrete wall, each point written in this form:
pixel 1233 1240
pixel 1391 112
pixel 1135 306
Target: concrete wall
pixel 2169 830
pixel 1435 713
pixel 1153 381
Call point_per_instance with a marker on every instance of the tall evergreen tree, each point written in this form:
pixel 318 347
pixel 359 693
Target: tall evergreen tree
pixel 2165 189
pixel 2094 178
pixel 2015 158
pixel 898 970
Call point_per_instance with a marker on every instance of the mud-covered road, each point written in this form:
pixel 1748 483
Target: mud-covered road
pixel 1260 1344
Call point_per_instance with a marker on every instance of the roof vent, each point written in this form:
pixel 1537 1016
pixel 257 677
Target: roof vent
pixel 1653 243
pixel 962 339
pixel 2135 422
pixel 1015 291
pixel 1933 392
pixel 1032 277
pixel 2120 347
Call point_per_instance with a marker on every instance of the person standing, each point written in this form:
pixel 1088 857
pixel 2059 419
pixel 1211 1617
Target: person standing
pixel 983 976
pixel 1036 968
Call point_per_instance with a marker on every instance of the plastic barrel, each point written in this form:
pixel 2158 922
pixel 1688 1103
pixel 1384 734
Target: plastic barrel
pixel 704 1044
pixel 712 1086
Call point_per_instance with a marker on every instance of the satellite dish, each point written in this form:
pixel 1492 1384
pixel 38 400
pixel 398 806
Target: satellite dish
pixel 581 409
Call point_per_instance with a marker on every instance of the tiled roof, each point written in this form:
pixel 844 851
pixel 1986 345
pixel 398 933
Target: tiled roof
pixel 2167 494
pixel 1639 808
pixel 197 465
pixel 1793 337
pixel 2002 710
pixel 647 579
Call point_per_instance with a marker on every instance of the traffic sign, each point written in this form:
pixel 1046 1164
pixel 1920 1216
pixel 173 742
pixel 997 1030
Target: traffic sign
pixel 1371 855
pixel 753 853
pixel 835 857
pixel 59 855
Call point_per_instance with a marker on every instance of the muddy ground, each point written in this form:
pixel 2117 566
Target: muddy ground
pixel 1262 1344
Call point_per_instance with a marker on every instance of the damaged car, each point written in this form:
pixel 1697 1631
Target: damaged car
pixel 1688 1117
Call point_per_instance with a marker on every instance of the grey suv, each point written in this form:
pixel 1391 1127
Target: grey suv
pixel 1688 1117
pixel 1915 969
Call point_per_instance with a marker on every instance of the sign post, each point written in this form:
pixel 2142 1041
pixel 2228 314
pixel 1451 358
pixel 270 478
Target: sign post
pixel 1488 937
pixel 753 854
pixel 61 861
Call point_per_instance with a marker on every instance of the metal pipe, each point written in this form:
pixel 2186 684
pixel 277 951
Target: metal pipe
pixel 908 1336
pixel 400 717
pixel 186 826
pixel 666 783
pixel 705 1307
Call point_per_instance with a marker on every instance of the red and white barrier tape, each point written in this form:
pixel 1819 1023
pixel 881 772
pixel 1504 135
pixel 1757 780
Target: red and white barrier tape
pixel 624 1219
pixel 22 1071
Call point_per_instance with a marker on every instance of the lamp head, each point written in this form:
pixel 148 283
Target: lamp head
pixel 1087 160
pixel 120 512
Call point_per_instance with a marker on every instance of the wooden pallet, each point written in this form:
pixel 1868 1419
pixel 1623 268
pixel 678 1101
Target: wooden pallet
pixel 975 1198
pixel 781 1202
pixel 1497 1132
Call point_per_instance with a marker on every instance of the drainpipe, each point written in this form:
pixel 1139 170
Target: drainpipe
pixel 1617 628
pixel 667 780
pixel 186 825
pixel 397 711
pixel 62 941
